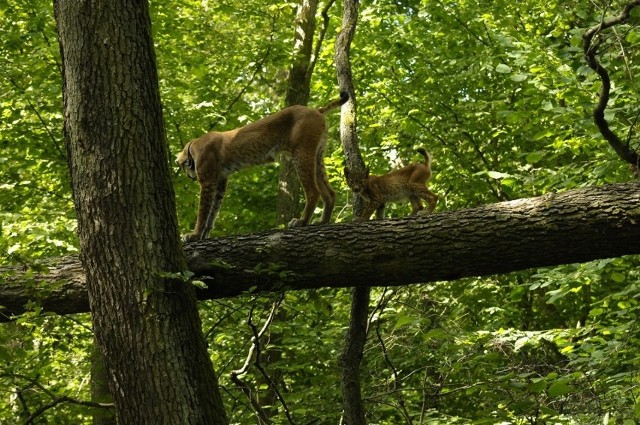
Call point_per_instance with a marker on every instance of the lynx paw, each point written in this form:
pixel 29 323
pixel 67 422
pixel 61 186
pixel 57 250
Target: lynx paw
pixel 296 222
pixel 190 237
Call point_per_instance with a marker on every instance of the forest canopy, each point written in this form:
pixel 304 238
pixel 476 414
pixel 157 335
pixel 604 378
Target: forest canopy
pixel 500 93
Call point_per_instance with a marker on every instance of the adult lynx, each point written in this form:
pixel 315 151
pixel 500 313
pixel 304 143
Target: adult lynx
pixel 299 130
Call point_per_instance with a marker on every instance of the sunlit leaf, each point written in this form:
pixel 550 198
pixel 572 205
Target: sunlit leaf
pixel 503 69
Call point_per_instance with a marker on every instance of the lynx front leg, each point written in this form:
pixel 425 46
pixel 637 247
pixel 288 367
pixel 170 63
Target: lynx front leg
pixel 207 191
pixel 370 208
pixel 215 208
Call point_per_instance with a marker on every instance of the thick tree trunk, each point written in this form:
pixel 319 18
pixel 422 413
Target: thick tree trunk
pixel 569 227
pixel 144 315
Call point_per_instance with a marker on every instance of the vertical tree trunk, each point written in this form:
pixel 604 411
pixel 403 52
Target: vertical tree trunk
pixel 351 357
pixel 300 72
pixel 143 311
pixel 289 189
pixel 288 200
pixel 356 336
pixel 348 117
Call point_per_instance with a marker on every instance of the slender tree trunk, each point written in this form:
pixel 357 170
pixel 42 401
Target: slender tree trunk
pixel 144 313
pixel 298 86
pixel 622 148
pixel 351 357
pixel 289 190
pixel 356 336
pixel 348 116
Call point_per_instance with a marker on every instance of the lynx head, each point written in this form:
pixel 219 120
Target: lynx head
pixel 186 163
pixel 357 181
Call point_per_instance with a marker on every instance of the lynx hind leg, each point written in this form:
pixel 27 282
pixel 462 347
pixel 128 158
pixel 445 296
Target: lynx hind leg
pixel 380 212
pixel 416 205
pixel 429 197
pixel 327 193
pixel 306 169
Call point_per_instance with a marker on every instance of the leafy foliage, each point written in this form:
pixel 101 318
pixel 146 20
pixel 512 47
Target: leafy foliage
pixel 497 91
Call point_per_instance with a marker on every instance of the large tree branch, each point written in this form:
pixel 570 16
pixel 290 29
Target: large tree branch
pixel 569 227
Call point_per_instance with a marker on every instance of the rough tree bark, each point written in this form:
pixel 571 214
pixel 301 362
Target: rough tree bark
pixel 144 315
pixel 569 227
pixel 348 116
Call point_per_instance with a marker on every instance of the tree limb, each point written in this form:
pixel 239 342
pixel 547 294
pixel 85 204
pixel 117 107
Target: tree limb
pixel 569 227
pixel 590 50
pixel 55 399
pixel 262 416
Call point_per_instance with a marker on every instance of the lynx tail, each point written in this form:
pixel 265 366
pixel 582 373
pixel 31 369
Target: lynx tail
pixel 344 96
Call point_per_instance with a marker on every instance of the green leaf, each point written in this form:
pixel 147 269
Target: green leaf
pixel 498 175
pixel 436 333
pixel 403 320
pixel 199 284
pixel 537 387
pixel 534 157
pixel 503 69
pixel 617 277
pixel 560 388
pixel 596 311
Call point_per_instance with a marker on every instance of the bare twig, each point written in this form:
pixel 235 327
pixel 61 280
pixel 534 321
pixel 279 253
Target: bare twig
pixel 394 371
pixel 256 70
pixel 44 124
pixel 256 338
pixel 65 399
pixel 323 32
pixel 55 399
pixel 464 25
pixel 590 50
pixel 254 355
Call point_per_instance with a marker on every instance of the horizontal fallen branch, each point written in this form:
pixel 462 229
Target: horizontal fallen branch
pixel 569 227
